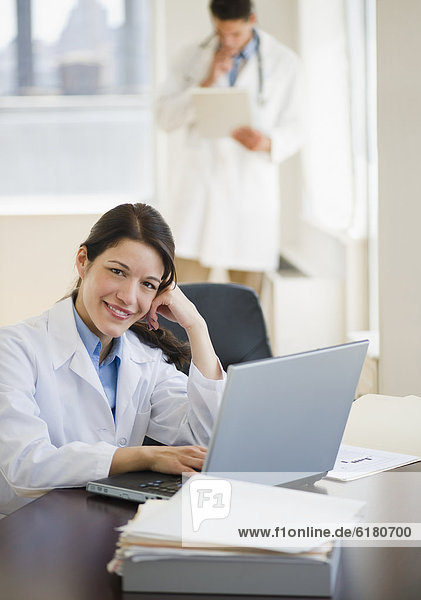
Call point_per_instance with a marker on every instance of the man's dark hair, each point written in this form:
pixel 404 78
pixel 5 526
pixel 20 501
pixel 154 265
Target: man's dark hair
pixel 231 10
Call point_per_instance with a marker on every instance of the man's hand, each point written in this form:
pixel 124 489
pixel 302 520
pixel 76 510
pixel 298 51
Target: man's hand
pixel 222 63
pixel 252 139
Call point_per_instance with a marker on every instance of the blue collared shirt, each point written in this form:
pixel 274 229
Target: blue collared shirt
pixel 242 57
pixel 108 369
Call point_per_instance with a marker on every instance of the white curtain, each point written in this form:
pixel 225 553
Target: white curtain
pixel 334 43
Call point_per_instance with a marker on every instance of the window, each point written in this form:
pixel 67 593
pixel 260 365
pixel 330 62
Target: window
pixel 76 118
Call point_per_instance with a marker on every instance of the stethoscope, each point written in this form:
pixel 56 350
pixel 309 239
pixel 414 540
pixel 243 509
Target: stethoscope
pixel 260 99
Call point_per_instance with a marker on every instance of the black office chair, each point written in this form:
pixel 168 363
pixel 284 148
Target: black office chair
pixel 235 322
pixel 234 318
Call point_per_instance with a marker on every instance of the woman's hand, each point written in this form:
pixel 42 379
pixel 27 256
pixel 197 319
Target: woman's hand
pixel 176 459
pixel 173 305
pixel 164 459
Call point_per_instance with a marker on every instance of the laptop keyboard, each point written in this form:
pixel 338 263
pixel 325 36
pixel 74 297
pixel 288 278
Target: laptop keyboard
pixel 159 486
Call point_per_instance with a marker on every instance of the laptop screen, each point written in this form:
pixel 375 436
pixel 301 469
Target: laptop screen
pixel 283 418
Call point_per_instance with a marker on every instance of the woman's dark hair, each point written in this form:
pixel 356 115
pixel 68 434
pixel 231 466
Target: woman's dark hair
pixel 141 223
pixel 231 10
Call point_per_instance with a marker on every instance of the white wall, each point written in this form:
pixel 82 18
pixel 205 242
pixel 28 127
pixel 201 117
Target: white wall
pixel 399 143
pixel 188 21
pixel 36 261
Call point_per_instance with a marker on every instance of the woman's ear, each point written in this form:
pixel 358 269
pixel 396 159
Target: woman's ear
pixel 82 261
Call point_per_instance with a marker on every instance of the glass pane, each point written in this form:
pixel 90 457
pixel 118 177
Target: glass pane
pixel 63 150
pixel 80 132
pixel 75 47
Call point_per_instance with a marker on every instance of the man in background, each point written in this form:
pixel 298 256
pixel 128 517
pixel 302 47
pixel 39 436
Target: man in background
pixel 224 207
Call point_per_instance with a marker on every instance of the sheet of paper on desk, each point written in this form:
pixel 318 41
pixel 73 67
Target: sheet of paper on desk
pixel 221 110
pixel 354 462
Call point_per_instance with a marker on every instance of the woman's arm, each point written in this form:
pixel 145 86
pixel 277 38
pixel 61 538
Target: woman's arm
pixel 173 305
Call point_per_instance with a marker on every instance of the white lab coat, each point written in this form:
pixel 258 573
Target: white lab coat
pixel 224 205
pixel 56 425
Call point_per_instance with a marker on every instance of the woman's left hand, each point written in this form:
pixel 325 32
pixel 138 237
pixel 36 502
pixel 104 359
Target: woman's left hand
pixel 174 306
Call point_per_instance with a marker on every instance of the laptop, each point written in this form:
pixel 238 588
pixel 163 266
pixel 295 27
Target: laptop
pixel 280 422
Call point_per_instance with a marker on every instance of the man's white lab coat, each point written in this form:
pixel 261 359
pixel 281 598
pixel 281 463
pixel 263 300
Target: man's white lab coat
pixel 56 425
pixel 224 206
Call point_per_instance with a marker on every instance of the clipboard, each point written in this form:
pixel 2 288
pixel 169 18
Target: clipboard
pixel 221 110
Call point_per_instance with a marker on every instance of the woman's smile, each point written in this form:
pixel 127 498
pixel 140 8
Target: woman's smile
pixel 118 312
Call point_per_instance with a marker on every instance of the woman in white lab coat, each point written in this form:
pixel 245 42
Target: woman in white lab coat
pixel 82 384
pixel 224 205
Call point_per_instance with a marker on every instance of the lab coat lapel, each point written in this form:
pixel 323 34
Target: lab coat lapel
pixel 129 376
pixel 248 77
pixel 82 365
pixel 67 345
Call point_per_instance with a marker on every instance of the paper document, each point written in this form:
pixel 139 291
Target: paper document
pixel 354 462
pixel 221 110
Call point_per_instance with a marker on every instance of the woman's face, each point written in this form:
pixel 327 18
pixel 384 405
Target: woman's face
pixel 118 287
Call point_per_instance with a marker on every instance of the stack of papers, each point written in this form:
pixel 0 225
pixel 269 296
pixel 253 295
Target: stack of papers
pixel 188 533
pixel 137 545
